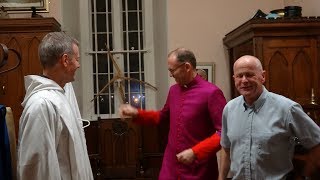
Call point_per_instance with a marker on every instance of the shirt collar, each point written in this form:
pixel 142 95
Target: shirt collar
pixel 257 105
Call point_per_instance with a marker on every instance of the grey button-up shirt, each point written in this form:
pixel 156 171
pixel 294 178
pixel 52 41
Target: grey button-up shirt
pixel 261 136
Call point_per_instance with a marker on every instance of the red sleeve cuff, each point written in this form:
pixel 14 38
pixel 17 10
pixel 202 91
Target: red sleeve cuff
pixel 147 117
pixel 207 147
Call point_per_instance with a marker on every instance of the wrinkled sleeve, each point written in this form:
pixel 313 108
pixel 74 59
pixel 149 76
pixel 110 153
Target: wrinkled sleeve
pixel 207 147
pixel 211 145
pixel 225 142
pixel 303 127
pixel 39 132
pixel 216 104
pixel 147 117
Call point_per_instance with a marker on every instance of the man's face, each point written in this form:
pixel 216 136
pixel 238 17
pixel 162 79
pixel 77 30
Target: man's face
pixel 248 80
pixel 177 69
pixel 73 63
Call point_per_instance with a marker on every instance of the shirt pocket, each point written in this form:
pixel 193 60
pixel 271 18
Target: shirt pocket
pixel 270 144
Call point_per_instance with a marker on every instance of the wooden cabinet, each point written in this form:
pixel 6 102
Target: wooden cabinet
pixel 23 35
pixel 289 52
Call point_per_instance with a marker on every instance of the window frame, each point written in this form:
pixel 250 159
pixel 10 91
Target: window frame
pixel 86 70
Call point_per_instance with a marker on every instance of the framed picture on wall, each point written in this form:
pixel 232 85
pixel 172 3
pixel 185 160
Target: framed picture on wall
pixel 209 68
pixel 25 5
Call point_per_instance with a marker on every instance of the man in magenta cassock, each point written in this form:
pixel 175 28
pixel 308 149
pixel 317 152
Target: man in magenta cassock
pixel 194 108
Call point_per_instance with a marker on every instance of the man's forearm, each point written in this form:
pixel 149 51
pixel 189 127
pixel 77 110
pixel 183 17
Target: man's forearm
pixel 147 117
pixel 224 163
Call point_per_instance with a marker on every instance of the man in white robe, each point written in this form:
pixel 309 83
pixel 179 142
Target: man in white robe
pixel 51 142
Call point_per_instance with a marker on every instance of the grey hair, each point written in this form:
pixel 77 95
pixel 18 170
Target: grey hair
pixel 53 46
pixel 184 55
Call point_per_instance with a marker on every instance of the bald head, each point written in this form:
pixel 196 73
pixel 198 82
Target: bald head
pixel 249 78
pixel 250 61
pixel 184 55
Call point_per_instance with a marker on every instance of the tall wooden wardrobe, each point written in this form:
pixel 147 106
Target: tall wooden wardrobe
pixel 24 35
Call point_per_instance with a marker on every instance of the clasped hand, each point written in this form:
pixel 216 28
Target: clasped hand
pixel 186 156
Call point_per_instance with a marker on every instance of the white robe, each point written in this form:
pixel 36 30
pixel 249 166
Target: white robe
pixel 51 142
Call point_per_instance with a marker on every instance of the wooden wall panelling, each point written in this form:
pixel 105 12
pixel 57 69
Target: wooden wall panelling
pixel 122 150
pixel 119 148
pixel 113 148
pixel 154 141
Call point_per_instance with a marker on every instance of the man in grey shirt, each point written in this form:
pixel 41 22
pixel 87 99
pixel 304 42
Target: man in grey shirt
pixel 259 127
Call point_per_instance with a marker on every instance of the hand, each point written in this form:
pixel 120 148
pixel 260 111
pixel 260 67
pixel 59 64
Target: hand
pixel 186 156
pixel 126 110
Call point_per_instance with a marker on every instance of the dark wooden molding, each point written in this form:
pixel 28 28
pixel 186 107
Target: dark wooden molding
pixel 24 25
pixel 272 28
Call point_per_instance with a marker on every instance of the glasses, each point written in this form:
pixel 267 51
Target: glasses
pixel 174 70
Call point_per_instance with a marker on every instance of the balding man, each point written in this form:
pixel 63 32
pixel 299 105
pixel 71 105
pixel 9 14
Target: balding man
pixel 259 128
pixel 194 109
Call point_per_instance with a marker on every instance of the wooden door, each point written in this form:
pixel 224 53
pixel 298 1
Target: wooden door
pixel 291 67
